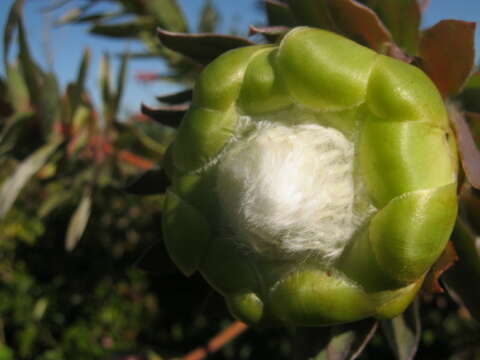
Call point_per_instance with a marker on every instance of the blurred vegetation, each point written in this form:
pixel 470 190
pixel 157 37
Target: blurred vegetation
pixel 83 271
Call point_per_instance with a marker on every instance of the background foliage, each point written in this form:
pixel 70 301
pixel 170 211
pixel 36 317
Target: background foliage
pixel 83 272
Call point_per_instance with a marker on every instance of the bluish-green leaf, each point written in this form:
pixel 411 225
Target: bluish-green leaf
pixel 202 48
pixel 470 96
pixel 17 88
pixel 121 77
pixel 167 14
pixel 79 86
pixel 462 278
pixel 12 130
pixel 78 221
pixel 349 341
pixel 43 88
pixel 49 102
pixel 105 87
pixel 126 30
pixel 31 72
pixel 176 98
pixel 278 13
pixel 154 181
pixel 166 115
pixel 208 19
pixel 14 184
pixel 341 342
pixel 69 16
pixel 403 332
pixel 12 21
pixel 97 17
pixel 271 33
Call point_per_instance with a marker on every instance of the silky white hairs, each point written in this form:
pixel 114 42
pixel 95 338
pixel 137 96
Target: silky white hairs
pixel 286 189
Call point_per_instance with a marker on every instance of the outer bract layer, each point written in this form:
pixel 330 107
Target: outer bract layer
pixel 314 182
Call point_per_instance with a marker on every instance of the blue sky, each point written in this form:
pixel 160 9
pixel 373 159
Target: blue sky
pixel 66 43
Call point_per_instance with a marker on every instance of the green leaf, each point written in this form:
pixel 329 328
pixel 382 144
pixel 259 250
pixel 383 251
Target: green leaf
pixel 78 221
pixel 142 55
pixel 402 18
pixel 177 98
pixel 30 70
pixel 12 130
pixel 55 199
pixel 403 332
pixel 271 33
pixel 136 7
pixel 56 5
pixel 121 76
pixel 43 88
pixel 79 86
pixel 26 340
pixel 208 19
pixel 39 308
pixel 167 14
pixel 202 48
pixel 448 54
pixel 99 17
pixel 156 260
pixel 13 185
pixel 470 202
pixel 279 14
pixel 49 102
pixel 6 107
pixel 347 342
pixel 126 30
pixel 462 278
pixel 470 96
pixel 70 16
pixel 313 13
pixel 6 353
pixel 153 136
pixel 105 87
pixel 154 181
pixel 166 115
pixel 341 342
pixel 12 21
pixel 17 88
pixel 180 223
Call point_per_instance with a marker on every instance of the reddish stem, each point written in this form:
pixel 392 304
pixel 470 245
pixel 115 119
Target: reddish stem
pixel 216 343
pixel 132 159
pixel 424 4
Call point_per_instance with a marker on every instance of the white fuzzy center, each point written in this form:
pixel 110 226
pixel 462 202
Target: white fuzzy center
pixel 290 189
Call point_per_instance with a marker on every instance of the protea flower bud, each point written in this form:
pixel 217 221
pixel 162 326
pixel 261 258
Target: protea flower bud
pixel 314 182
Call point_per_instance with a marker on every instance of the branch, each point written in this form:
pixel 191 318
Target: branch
pixel 226 335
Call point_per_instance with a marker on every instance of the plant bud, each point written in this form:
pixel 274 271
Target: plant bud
pixel 313 182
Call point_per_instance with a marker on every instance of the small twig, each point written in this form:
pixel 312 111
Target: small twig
pixel 226 335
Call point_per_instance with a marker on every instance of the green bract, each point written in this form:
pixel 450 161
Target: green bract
pixel 313 182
